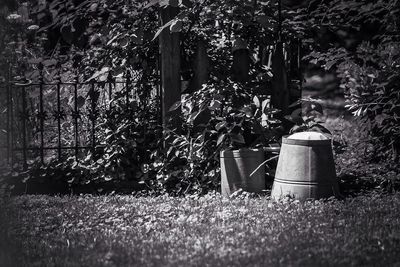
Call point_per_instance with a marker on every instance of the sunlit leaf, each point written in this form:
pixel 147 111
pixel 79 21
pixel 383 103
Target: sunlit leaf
pixel 176 26
pixel 221 138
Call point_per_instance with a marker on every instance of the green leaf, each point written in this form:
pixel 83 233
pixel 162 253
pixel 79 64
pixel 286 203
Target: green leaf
pixel 247 111
pixel 256 101
pixel 107 178
pixel 152 3
pixel 317 107
pixel 220 125
pixel 215 105
pixel 35 60
pixel 176 26
pixel 221 138
pixel 238 138
pixel 329 64
pixel 170 150
pixel 49 62
pixel 175 106
pixel 162 28
pixel 193 116
pixel 124 41
pixel 319 128
pixel 296 116
pixel 178 139
pixel 298 102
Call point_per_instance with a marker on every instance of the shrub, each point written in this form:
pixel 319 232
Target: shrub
pixel 364 52
pixel 372 83
pixel 222 115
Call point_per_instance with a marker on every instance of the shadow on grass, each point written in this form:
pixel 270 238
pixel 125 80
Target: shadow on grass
pixel 354 184
pixel 10 253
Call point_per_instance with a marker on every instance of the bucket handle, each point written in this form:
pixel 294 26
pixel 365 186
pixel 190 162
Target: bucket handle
pixel 259 166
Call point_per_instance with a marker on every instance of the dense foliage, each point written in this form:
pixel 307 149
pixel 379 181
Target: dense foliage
pixel 104 40
pixel 101 39
pixel 364 52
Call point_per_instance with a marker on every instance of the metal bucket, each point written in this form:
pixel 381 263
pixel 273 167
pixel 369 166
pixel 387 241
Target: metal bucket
pixel 236 167
pixel 305 170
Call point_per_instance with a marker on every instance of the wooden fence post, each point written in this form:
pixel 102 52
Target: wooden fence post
pixel 201 67
pixel 241 61
pixel 170 68
pixel 280 97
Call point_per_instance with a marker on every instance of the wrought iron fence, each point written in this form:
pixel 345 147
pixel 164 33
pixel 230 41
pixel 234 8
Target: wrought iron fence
pixel 42 120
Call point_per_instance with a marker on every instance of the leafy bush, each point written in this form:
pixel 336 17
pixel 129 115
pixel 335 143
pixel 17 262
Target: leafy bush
pixel 135 150
pixel 306 117
pixel 372 84
pixel 130 133
pixel 103 38
pixel 365 56
pixel 222 115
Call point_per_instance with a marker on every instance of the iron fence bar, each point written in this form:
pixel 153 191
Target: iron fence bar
pixel 127 86
pixel 76 115
pixel 110 81
pixel 12 120
pixel 41 111
pixel 8 122
pixel 93 118
pixel 160 102
pixel 23 117
pixel 59 119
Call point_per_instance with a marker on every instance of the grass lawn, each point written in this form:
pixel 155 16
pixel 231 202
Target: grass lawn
pixel 198 231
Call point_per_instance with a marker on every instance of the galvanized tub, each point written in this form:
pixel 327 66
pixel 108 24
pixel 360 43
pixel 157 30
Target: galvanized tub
pixel 236 167
pixel 306 169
